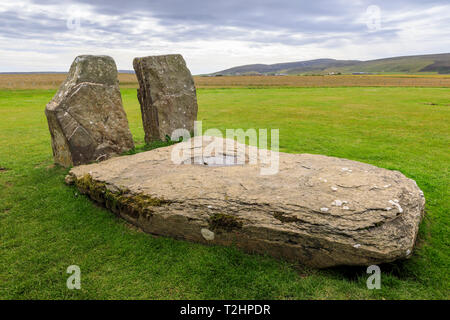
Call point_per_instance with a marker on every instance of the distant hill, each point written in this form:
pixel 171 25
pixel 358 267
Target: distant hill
pixel 439 63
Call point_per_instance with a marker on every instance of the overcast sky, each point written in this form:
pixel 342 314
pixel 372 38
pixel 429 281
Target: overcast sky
pixel 215 35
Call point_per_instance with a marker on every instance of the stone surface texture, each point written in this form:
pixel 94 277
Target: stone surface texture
pixel 86 118
pixel 167 95
pixel 317 210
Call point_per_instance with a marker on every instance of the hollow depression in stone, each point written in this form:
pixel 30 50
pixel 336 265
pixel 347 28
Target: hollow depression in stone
pixel 317 210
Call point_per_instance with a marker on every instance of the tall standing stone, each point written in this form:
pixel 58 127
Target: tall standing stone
pixel 86 118
pixel 166 94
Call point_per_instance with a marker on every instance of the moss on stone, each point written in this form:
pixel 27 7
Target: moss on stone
pixel 94 189
pixel 222 221
pixel 122 201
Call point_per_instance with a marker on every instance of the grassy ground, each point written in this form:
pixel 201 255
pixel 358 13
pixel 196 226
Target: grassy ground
pixel 46 226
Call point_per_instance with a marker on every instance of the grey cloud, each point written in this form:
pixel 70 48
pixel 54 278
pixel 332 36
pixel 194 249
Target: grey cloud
pixel 257 23
pixel 213 19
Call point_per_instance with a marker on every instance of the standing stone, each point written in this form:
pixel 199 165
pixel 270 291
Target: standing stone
pixel 86 118
pixel 166 94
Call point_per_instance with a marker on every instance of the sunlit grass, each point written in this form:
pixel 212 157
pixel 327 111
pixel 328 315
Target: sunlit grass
pixel 45 226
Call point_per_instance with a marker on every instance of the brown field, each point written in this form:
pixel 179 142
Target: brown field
pixel 52 81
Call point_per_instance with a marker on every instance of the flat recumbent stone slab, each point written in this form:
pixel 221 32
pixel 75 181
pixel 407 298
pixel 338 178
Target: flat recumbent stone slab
pixel 317 210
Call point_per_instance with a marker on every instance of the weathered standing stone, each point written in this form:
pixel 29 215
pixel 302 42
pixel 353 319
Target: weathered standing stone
pixel 317 210
pixel 166 94
pixel 86 118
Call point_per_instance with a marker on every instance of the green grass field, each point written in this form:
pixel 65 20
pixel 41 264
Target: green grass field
pixel 45 226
